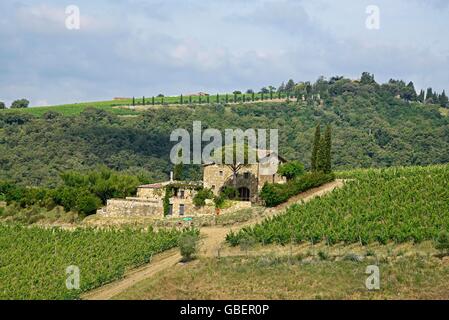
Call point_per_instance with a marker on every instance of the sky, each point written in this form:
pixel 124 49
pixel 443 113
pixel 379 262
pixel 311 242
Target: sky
pixel 126 48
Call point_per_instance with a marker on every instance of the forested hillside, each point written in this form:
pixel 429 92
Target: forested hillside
pixel 372 127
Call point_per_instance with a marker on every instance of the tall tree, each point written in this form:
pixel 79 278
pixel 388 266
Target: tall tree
pixel 367 78
pixel 2 105
pixel 421 96
pixel 18 104
pixel 321 157
pixel 444 100
pixel 290 85
pixel 429 95
pixel 409 93
pixel 327 150
pixel 316 147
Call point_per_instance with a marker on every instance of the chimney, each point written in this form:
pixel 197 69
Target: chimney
pixel 171 176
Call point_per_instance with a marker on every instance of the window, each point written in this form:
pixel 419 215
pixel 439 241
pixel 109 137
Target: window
pixel 213 187
pixel 170 210
pixel 246 175
pixel 181 194
pixel 181 209
pixel 221 173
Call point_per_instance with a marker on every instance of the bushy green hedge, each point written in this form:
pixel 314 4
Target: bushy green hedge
pixel 274 194
pixel 200 197
pixel 80 192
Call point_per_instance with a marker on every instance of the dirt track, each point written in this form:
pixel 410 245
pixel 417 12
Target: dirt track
pixel 211 243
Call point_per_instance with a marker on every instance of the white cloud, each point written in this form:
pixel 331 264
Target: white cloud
pixel 135 47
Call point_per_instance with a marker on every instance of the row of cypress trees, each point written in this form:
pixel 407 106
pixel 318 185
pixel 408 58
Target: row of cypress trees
pixel 322 150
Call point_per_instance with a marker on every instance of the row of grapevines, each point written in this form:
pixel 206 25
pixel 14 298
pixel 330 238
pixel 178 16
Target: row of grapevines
pixel 377 205
pixel 34 261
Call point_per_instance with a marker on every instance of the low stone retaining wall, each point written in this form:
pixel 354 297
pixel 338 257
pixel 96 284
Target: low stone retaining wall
pixel 131 207
pixel 138 207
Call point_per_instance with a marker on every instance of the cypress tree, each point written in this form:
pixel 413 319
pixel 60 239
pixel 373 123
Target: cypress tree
pixel 253 96
pixel 321 157
pixel 199 99
pixel 429 94
pixel 143 100
pixel 181 100
pixel 226 98
pixel 235 97
pixel 421 96
pixel 208 99
pixel 444 101
pixel 243 98
pixel 152 101
pixel 134 101
pixel 435 97
pixel 316 147
pixel 190 99
pixel 327 150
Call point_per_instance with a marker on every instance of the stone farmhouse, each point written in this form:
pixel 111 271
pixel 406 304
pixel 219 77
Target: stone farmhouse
pixel 149 200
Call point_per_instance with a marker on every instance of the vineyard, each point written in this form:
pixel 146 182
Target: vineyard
pixel 376 205
pixel 33 261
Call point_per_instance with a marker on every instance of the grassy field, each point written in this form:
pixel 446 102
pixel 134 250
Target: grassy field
pixel 114 105
pixel 268 277
pixel 33 261
pixel 395 204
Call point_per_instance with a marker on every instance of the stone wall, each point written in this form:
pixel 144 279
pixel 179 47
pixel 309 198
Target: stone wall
pixel 132 207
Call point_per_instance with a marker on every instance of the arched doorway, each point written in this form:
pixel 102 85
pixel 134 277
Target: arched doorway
pixel 244 194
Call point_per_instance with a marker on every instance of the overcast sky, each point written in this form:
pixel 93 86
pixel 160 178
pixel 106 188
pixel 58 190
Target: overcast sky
pixel 135 47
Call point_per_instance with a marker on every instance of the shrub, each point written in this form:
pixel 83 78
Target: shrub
pixel 19 104
pixel 188 244
pixel 229 192
pixel 246 243
pixel 200 197
pixel 219 201
pixel 87 203
pixel 275 194
pixel 442 243
pixel 291 170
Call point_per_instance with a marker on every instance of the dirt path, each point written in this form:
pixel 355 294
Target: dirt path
pixel 212 241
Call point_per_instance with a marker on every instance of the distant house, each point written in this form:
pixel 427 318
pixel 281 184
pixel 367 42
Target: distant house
pixel 197 94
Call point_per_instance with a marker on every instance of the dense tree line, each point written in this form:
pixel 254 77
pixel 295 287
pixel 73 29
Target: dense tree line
pixel 82 192
pixel 371 127
pixel 337 85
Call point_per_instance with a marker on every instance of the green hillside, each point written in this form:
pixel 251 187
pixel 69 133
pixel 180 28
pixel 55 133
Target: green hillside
pixel 394 204
pixel 118 106
pixel 371 128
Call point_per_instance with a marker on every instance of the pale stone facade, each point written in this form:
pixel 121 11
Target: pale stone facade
pixel 250 179
pixel 150 198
